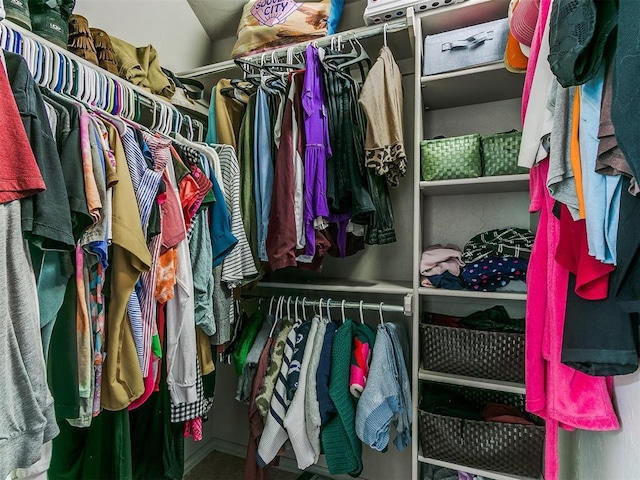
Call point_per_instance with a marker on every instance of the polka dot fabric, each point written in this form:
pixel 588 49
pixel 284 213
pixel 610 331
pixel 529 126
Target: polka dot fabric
pixel 494 272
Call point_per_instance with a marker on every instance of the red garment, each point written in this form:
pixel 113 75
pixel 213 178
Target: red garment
pixel 171 222
pixel 251 469
pixel 281 234
pixel 592 276
pixel 19 173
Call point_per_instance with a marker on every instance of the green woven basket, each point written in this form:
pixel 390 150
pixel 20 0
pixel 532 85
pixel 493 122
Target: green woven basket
pixel 450 158
pixel 500 154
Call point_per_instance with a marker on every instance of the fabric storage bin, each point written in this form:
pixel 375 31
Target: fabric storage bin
pixel 473 353
pixel 466 47
pixel 508 448
pixel 450 158
pixel 500 154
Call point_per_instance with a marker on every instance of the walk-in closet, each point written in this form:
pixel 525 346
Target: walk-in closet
pixel 376 239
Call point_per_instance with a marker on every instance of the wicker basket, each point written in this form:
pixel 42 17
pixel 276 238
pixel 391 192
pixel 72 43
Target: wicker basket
pixel 450 158
pixel 500 154
pixel 475 353
pixel 500 447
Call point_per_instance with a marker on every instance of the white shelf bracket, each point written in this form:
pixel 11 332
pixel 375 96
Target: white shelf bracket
pixel 408 304
pixel 411 19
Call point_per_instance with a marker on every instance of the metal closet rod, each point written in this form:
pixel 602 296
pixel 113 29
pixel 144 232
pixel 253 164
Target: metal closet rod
pixel 331 303
pixel 359 33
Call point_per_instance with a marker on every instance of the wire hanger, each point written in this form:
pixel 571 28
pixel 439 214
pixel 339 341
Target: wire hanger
pixel 295 309
pixel 384 34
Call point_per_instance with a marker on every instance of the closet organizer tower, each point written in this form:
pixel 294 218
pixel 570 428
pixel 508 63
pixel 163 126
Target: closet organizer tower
pixel 484 100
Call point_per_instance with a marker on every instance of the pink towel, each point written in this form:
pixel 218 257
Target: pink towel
pixel 437 259
pixel 561 395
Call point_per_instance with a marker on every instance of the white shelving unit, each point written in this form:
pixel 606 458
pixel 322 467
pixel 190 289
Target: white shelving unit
pixel 474 471
pixel 442 292
pixel 485 100
pixel 469 186
pixel 485 383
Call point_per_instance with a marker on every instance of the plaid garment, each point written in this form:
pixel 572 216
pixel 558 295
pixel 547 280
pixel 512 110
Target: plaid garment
pixel 189 411
pixel 506 242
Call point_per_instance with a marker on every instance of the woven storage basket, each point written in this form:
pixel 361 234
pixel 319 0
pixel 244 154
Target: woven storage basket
pixel 474 353
pixel 501 447
pixel 450 158
pixel 500 154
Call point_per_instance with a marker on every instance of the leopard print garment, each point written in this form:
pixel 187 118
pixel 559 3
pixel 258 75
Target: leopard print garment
pixel 390 161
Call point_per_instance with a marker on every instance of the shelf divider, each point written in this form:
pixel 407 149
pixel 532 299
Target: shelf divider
pixel 443 292
pixel 473 471
pixel 462 380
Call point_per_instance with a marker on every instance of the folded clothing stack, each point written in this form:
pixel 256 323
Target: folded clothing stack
pixel 440 267
pixel 494 319
pixel 495 258
pixel 444 401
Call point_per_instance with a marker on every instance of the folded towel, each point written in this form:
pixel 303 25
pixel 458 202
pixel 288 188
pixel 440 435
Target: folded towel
pixel 437 259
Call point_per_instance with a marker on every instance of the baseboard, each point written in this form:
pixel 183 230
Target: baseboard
pixel 199 455
pixel 287 463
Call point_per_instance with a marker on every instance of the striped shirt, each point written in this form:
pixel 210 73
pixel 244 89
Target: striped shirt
pixel 239 264
pixel 146 182
pixel 274 434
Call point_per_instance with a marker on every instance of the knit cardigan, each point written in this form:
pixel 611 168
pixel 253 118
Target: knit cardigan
pixel 342 448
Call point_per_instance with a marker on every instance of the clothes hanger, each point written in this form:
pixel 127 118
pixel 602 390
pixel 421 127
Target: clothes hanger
pixel 289 308
pixel 384 34
pixel 381 316
pixel 361 312
pixel 295 309
pixel 362 56
pixel 328 309
pixel 344 317
pixel 304 311
pixel 320 308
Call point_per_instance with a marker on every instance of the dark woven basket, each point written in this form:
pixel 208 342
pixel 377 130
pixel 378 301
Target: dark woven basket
pixel 474 353
pixel 500 447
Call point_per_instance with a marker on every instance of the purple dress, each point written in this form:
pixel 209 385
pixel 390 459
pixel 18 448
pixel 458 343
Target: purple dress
pixel 317 150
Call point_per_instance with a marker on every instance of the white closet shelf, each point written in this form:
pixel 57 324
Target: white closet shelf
pixel 342 285
pixel 468 186
pixel 443 292
pixel 459 15
pixel 491 82
pixel 484 383
pixel 473 471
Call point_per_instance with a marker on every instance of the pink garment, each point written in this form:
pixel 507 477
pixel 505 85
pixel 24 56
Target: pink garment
pixel 193 428
pixel 561 395
pixel 437 259
pixel 592 276
pixel 543 13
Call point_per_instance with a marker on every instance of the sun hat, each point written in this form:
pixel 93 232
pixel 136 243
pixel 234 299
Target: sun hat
pixel 523 21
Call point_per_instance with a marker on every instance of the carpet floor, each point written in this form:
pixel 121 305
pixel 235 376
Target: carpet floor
pixel 221 466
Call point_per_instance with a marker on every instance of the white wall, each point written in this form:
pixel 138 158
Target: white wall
pixel 613 455
pixel 169 25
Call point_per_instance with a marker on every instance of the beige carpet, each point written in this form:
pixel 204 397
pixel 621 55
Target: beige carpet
pixel 220 466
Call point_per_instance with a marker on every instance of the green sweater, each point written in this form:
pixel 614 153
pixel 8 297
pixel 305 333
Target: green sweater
pixel 342 448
